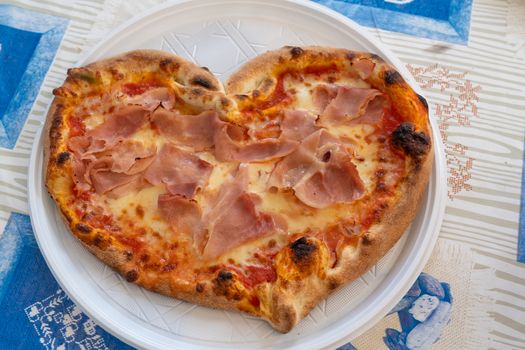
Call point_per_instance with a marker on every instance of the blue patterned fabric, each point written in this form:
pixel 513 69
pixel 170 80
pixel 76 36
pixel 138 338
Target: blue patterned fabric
pixel 445 20
pixel 37 313
pixel 28 44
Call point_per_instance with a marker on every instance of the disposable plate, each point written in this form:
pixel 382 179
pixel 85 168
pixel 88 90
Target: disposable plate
pixel 222 35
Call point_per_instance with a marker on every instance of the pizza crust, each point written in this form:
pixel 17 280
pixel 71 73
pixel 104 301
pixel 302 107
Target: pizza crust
pixel 304 275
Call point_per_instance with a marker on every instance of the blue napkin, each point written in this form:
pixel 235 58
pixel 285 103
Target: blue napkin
pixel 445 20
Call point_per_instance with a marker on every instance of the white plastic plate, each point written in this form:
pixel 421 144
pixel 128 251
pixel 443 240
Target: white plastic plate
pixel 221 35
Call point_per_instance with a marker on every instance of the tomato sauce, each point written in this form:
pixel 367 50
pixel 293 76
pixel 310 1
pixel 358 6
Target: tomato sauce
pixel 131 242
pixel 318 70
pixel 278 95
pixel 76 127
pixel 254 275
pixel 254 300
pixel 391 121
pixel 133 89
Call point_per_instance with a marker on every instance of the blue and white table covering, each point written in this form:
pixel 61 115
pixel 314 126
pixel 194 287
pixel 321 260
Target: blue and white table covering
pixel 468 55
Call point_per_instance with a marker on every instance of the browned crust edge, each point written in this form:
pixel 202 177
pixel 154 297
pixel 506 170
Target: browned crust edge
pixel 185 72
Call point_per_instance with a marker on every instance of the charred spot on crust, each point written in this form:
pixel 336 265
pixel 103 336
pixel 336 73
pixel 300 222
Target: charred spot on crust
pixel 392 77
pixel 266 84
pixel 132 275
pixel 413 143
pixel 423 101
pixel 224 285
pixel 350 56
pixel 128 255
pixel 62 158
pixel 296 51
pixel 196 92
pixel 376 57
pixel 199 287
pixel 333 285
pixel 367 240
pixel 117 75
pixel 224 276
pixel 242 97
pixel 225 103
pixel 205 68
pixel 57 121
pixel 302 250
pixel 83 228
pixel 99 242
pixel 202 81
pixel 165 63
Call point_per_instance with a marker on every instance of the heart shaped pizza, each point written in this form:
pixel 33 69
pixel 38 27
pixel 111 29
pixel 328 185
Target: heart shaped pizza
pixel 263 195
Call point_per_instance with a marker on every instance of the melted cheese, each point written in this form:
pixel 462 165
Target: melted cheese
pixel 147 200
pixel 93 121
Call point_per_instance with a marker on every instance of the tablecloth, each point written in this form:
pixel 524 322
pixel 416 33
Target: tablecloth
pixel 468 57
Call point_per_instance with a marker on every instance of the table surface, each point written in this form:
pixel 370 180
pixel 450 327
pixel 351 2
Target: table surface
pixel 475 84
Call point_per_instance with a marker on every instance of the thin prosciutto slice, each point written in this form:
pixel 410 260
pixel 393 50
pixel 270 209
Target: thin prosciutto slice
pixel 196 131
pixel 118 126
pixel 364 67
pixel 182 214
pixel 235 218
pixel 182 172
pixel 229 147
pixel 153 98
pixel 340 105
pixel 121 165
pixel 297 124
pixel 106 159
pixel 320 172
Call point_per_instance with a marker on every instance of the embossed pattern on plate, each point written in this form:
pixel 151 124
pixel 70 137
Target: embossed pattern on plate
pixel 222 35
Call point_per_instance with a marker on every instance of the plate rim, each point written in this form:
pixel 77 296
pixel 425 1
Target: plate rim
pixel 339 334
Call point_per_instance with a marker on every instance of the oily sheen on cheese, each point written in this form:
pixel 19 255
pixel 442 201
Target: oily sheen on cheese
pixel 263 195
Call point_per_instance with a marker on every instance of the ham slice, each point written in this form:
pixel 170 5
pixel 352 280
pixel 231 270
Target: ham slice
pixel 120 125
pixel 297 124
pixel 196 131
pixel 364 67
pixel 129 157
pixel 182 214
pixel 228 146
pixel 322 95
pixel 348 105
pixel 107 180
pixel 339 105
pixel 183 173
pixel 153 98
pixel 320 172
pixel 119 166
pixel 338 181
pixel 234 218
